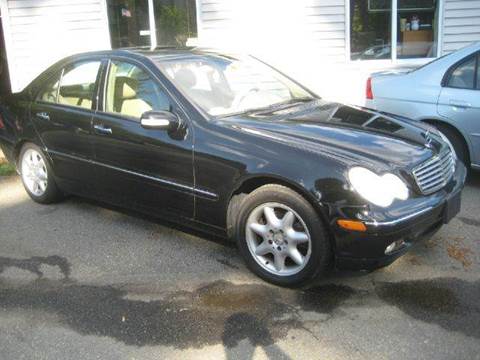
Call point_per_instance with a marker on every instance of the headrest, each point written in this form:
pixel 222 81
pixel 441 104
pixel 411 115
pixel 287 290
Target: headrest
pixel 126 88
pixel 185 78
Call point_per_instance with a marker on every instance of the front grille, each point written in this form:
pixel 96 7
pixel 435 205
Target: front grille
pixel 434 173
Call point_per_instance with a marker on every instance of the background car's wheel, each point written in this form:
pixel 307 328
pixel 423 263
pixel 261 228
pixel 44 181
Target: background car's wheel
pixel 281 237
pixel 37 175
pixel 457 142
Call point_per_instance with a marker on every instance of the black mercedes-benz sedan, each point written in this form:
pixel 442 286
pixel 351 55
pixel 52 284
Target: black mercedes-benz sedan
pixel 226 144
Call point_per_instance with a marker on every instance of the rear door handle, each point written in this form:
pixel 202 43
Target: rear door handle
pixel 43 115
pixel 101 129
pixel 460 104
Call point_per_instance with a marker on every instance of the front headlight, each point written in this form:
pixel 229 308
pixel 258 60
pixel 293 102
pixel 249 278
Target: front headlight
pixel 379 190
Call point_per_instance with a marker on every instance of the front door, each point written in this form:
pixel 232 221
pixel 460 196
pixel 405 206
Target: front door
pixel 459 101
pixel 62 114
pixel 147 168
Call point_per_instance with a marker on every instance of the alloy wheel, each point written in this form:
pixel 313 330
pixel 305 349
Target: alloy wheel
pixel 34 172
pixel 278 239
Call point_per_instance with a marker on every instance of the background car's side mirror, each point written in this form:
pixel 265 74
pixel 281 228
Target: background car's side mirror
pixel 160 120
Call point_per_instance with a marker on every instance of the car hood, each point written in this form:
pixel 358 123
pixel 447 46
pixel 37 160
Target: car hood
pixel 351 134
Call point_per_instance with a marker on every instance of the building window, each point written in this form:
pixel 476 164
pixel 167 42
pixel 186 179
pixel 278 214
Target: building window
pixel 136 23
pixel 413 23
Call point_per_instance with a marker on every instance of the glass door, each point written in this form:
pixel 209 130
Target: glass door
pixel 151 23
pixel 129 23
pixel 175 21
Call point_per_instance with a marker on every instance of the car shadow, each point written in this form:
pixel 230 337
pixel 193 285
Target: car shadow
pixel 473 178
pixel 216 238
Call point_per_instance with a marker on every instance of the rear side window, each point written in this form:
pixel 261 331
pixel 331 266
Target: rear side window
pixel 131 91
pixel 77 85
pixel 463 76
pixel 50 91
pixel 478 72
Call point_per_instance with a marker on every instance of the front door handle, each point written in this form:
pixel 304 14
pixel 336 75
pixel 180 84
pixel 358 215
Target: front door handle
pixel 101 129
pixel 460 104
pixel 43 115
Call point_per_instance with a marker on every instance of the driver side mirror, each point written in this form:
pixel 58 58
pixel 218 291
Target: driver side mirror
pixel 160 120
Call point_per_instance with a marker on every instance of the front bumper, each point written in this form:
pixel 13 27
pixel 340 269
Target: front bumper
pixel 412 223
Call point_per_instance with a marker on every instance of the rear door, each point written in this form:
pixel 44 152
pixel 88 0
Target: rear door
pixel 146 168
pixel 459 100
pixel 63 113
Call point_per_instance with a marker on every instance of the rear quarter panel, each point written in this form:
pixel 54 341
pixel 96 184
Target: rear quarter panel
pixel 18 129
pixel 406 95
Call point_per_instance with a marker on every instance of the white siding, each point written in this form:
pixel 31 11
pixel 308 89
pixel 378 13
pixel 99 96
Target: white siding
pixel 40 32
pixel 316 27
pixel 461 24
pixel 303 38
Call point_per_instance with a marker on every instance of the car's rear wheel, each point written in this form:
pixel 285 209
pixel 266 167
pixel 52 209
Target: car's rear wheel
pixel 37 176
pixel 281 237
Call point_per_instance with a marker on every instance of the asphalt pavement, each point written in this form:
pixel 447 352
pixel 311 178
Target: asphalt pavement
pixel 81 280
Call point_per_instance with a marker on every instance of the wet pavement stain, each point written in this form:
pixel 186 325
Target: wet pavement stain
pixel 458 251
pixel 326 298
pixel 225 313
pixel 34 264
pixel 450 303
pixel 469 221
pixel 220 312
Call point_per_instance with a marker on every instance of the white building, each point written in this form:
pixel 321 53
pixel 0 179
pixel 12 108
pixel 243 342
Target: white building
pixel 331 45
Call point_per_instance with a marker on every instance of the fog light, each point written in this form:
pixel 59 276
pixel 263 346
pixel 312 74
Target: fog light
pixel 394 246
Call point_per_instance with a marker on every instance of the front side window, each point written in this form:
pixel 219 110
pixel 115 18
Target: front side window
pixel 463 76
pixel 223 85
pixel 77 86
pixel 131 91
pixel 415 33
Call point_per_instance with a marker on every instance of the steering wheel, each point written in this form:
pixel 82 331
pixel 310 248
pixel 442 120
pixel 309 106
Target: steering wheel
pixel 242 96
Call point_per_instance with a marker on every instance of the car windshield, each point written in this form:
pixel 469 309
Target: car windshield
pixel 224 85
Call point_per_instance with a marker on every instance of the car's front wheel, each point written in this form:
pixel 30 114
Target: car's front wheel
pixel 37 175
pixel 281 237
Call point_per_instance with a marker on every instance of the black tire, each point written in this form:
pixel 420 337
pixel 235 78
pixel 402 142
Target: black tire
pixel 321 253
pixel 458 143
pixel 52 193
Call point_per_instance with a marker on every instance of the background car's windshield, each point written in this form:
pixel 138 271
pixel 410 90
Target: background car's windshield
pixel 223 85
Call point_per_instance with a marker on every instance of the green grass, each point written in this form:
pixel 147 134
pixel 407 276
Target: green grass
pixel 6 169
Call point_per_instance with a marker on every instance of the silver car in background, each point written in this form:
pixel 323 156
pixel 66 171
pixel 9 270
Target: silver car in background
pixel 444 93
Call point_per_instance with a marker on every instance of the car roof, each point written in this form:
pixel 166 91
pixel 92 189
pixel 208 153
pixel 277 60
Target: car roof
pixel 158 54
pixel 139 53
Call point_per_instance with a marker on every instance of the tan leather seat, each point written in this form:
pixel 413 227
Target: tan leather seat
pixel 126 96
pixel 84 103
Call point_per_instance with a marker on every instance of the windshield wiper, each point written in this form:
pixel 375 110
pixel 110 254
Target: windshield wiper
pixel 273 107
pixel 282 105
